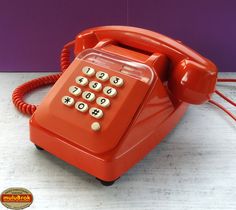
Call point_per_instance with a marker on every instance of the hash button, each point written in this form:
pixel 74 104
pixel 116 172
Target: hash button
pixel 96 113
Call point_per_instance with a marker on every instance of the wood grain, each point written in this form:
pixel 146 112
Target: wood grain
pixel 193 168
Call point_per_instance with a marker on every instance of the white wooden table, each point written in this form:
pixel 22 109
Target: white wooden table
pixel 193 168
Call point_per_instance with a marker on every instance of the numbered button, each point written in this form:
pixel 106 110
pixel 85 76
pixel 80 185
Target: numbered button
pixel 81 106
pixel 116 81
pixel 88 71
pixel 81 80
pixel 95 112
pixel 67 100
pixel 109 91
pixel 88 96
pixel 95 86
pixel 104 102
pixel 102 76
pixel 74 90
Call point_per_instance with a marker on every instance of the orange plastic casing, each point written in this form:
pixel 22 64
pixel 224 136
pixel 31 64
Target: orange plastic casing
pixel 160 75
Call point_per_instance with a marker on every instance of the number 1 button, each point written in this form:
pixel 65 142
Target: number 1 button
pixel 88 71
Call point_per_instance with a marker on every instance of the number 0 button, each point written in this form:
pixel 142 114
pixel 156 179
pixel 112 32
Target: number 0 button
pixel 116 81
pixel 88 96
pixel 109 91
pixel 81 106
pixel 102 76
pixel 97 113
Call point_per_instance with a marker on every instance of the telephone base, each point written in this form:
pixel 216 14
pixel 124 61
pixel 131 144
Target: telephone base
pixel 111 165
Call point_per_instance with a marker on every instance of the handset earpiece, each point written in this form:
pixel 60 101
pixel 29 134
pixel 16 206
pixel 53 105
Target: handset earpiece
pixel 193 82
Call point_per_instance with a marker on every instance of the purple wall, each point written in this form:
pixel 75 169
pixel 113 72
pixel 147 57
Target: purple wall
pixel 33 32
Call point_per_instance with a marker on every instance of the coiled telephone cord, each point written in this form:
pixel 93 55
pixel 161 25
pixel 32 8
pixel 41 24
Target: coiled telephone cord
pixel 19 92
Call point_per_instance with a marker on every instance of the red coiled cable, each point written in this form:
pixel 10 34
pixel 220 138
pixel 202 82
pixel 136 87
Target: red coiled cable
pixel 19 92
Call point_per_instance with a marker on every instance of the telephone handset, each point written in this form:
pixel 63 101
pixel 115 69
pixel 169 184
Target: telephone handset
pixel 192 77
pixel 123 93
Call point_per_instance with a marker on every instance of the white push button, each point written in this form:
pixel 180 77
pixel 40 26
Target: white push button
pixel 95 112
pixel 88 71
pixel 116 81
pixel 81 80
pixel 103 76
pixel 67 100
pixel 88 96
pixel 74 90
pixel 95 86
pixel 95 126
pixel 81 106
pixel 109 91
pixel 104 102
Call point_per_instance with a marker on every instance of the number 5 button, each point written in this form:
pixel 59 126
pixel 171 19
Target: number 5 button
pixel 116 81
pixel 109 91
pixel 104 102
pixel 95 86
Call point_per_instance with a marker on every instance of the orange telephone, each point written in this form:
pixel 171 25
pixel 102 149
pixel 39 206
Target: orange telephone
pixel 126 89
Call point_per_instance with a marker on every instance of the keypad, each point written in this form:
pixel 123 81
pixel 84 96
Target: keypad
pixel 95 82
pixel 97 86
pixel 109 91
pixel 96 113
pixel 74 90
pixel 81 106
pixel 89 96
pixel 81 80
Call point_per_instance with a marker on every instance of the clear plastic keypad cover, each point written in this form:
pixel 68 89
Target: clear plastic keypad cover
pixel 126 66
